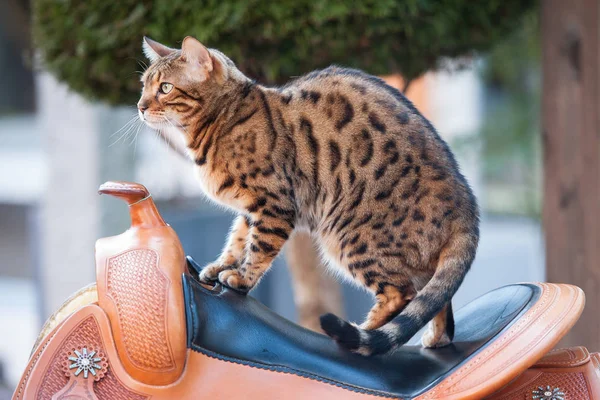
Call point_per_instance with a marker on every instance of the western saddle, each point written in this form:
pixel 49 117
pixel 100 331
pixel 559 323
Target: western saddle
pixel 148 329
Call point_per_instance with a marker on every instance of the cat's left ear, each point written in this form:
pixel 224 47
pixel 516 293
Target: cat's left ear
pixel 154 50
pixel 196 54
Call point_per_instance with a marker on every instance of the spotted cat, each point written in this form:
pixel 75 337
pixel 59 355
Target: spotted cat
pixel 336 152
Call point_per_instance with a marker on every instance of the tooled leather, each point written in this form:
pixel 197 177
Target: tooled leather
pixel 570 357
pixel 458 382
pixel 75 391
pixel 522 381
pixel 139 290
pixel 25 379
pixel 112 388
pixel 574 385
pixel 561 376
pixel 85 334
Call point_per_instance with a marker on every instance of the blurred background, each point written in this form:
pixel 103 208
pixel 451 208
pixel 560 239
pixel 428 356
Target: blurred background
pixel 68 123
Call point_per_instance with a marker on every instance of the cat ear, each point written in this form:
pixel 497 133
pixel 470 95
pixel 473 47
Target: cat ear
pixel 154 50
pixel 194 52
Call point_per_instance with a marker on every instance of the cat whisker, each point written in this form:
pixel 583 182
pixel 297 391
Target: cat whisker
pixel 166 136
pixel 181 127
pixel 135 140
pixel 134 134
pixel 121 137
pixel 130 128
pixel 131 132
pixel 131 121
pixel 177 148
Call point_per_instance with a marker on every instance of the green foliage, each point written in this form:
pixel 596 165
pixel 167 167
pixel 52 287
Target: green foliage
pixel 95 45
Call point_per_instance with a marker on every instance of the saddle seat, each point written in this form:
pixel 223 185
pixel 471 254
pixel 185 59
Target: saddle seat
pixel 235 327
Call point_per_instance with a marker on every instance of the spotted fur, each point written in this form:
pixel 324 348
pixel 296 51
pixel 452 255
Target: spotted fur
pixel 336 152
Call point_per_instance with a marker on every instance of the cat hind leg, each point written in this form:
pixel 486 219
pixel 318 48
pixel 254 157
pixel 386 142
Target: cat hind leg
pixel 440 330
pixel 390 302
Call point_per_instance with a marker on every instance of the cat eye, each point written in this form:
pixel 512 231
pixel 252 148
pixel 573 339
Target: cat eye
pixel 166 87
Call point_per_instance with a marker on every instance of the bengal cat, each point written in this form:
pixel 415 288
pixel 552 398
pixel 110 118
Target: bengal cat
pixel 336 152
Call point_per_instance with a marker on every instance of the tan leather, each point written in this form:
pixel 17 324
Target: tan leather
pixel 138 274
pixel 564 358
pixel 595 358
pixel 128 191
pixel 142 213
pixel 527 340
pixel 570 371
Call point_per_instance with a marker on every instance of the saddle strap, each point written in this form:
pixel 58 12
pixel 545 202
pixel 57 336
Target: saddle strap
pixel 571 373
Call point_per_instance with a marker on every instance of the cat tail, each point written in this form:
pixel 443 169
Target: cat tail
pixel 454 263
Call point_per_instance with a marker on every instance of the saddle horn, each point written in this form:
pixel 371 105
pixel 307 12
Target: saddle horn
pixel 143 213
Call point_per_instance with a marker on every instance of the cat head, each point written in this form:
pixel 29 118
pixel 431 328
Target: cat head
pixel 180 86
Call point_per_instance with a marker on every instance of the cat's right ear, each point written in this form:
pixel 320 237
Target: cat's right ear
pixel 154 50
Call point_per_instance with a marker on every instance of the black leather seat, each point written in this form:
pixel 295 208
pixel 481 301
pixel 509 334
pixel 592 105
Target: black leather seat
pixel 231 326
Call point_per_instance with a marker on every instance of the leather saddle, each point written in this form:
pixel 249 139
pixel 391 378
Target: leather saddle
pixel 150 329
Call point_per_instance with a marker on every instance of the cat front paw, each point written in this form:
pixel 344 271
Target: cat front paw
pixel 234 280
pixel 210 273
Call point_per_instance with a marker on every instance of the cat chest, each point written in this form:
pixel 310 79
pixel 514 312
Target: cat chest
pixel 212 184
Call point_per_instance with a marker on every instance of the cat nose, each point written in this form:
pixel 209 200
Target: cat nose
pixel 142 107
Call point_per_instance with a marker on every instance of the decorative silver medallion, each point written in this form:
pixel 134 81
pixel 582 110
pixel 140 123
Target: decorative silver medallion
pixel 548 393
pixel 85 362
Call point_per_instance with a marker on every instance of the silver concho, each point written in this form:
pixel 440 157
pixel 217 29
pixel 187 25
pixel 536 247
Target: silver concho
pixel 548 393
pixel 85 362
